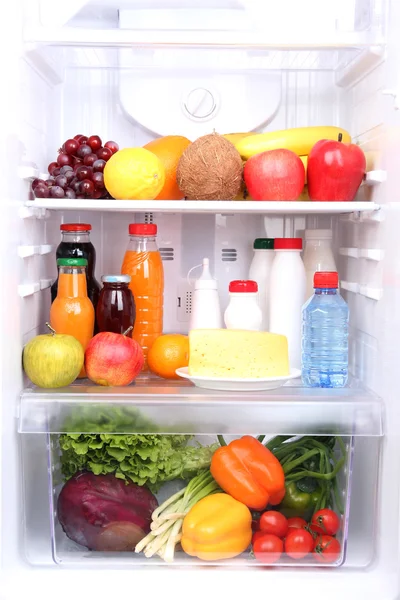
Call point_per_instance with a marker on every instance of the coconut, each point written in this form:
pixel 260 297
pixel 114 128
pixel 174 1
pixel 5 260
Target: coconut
pixel 210 169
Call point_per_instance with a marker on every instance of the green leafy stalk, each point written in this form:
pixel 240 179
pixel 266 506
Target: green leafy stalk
pixel 167 519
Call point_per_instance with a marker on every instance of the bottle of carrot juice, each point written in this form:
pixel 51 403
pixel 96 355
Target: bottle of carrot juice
pixel 143 263
pixel 72 312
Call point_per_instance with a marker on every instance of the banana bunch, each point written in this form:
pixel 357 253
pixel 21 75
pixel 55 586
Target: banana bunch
pixel 299 140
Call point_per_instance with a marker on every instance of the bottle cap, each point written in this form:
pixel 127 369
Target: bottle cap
pixel 318 234
pixel 149 229
pixel 326 279
pixel 72 262
pixel 264 244
pixel 288 244
pixel 75 227
pixel 206 280
pixel 116 279
pixel 243 286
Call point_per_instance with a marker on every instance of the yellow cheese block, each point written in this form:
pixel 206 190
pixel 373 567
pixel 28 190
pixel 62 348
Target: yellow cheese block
pixel 237 354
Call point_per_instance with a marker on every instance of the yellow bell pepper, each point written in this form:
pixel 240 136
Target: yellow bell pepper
pixel 217 527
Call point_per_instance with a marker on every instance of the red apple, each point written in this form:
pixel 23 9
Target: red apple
pixel 335 171
pixel 113 359
pixel 274 175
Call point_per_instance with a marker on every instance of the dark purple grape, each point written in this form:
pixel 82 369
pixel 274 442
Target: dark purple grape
pixel 89 160
pixel 76 162
pixel 56 172
pixel 65 169
pixel 61 180
pixel 64 159
pixel 71 146
pixel 98 180
pixel 113 146
pixel 70 194
pixel 98 166
pixel 56 192
pixel 37 182
pixel 69 176
pixel 97 194
pixel 84 173
pixel 80 196
pixel 86 187
pixel 76 186
pixel 41 191
pixel 104 153
pixel 94 142
pixel 51 168
pixel 83 151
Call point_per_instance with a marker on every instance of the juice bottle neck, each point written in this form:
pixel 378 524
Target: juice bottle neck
pixel 115 285
pixel 138 243
pixel 70 237
pixel 72 282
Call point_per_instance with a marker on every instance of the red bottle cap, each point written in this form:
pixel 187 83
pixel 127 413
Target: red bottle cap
pixel 326 279
pixel 75 227
pixel 143 229
pixel 243 286
pixel 288 244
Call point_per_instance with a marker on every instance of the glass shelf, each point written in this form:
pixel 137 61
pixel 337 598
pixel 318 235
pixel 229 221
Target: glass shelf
pixel 203 206
pixel 158 406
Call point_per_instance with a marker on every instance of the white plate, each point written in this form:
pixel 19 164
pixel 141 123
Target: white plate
pixel 236 384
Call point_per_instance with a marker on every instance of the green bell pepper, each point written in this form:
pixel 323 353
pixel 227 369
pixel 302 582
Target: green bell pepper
pixel 297 503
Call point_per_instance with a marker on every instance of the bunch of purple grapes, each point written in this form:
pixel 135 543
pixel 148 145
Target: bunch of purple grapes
pixel 78 172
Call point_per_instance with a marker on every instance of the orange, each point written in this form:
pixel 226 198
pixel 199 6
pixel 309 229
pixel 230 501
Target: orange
pixel 169 149
pixel 168 353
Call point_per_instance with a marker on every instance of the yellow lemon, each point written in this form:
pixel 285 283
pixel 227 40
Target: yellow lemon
pixel 134 174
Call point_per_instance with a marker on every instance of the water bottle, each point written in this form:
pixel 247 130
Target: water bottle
pixel 325 350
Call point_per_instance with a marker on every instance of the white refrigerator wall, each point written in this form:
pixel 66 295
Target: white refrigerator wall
pixel 42 111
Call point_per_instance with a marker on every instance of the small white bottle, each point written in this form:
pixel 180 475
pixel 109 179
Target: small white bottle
pixel 206 309
pixel 287 292
pixel 260 271
pixel 318 256
pixel 243 311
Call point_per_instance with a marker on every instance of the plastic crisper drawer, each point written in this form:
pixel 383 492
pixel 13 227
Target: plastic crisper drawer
pixel 68 553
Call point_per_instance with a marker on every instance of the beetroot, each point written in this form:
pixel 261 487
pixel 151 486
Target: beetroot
pixel 102 512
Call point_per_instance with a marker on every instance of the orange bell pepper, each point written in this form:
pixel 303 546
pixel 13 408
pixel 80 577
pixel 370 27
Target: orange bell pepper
pixel 217 527
pixel 249 472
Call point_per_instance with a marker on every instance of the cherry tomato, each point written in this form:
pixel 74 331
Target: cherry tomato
pixel 326 549
pixel 296 523
pixel 298 543
pixel 256 536
pixel 325 521
pixel 267 548
pixel 274 522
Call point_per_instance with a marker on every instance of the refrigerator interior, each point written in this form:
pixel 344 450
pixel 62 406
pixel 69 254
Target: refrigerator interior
pixel 131 71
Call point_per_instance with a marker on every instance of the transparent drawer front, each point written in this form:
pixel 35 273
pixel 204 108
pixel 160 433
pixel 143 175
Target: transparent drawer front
pixel 67 552
pixel 158 406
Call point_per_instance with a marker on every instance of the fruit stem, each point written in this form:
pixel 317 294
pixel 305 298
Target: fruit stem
pixel 128 330
pixel 340 137
pixel 53 331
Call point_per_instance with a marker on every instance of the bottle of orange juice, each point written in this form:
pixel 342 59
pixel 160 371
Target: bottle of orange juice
pixel 72 312
pixel 143 263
